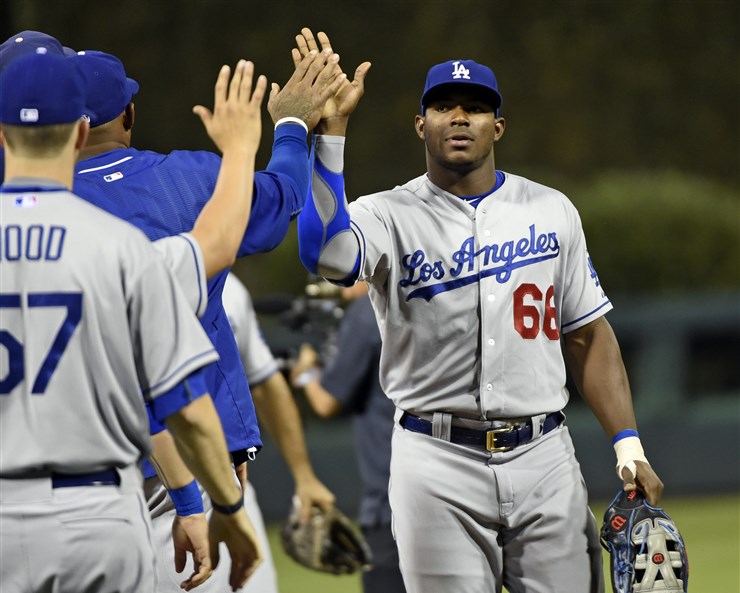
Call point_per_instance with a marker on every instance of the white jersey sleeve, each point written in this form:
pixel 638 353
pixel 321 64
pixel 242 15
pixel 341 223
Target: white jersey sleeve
pixel 259 363
pixel 183 256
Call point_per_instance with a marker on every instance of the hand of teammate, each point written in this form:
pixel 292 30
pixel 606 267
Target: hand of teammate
pixel 236 120
pixel 311 492
pixel 647 481
pixel 316 78
pixel 240 537
pixel 190 534
pixel 345 100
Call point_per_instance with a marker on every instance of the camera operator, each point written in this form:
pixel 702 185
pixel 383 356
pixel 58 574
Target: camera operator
pixel 350 383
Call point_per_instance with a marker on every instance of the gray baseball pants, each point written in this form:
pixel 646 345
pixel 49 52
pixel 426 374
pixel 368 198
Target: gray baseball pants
pixel 83 539
pixel 470 521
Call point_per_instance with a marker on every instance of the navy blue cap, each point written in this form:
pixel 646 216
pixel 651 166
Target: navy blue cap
pixel 107 87
pixel 465 73
pixel 41 90
pixel 27 42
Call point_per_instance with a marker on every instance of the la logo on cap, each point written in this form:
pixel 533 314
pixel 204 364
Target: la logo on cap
pixel 460 71
pixel 29 115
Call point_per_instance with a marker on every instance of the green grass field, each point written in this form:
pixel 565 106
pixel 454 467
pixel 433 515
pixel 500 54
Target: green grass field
pixel 710 526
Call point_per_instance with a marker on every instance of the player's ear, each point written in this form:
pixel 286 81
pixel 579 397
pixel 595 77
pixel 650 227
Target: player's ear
pixel 2 137
pixel 83 131
pixel 500 126
pixel 129 115
pixel 419 125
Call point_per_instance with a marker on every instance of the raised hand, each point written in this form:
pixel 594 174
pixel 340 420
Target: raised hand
pixel 236 121
pixel 316 78
pixel 348 95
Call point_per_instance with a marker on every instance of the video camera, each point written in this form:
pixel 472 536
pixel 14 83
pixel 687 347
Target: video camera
pixel 312 317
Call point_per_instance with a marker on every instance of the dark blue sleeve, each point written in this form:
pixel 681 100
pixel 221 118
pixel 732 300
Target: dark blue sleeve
pixel 279 192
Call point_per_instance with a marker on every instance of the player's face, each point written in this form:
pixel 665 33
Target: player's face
pixel 459 130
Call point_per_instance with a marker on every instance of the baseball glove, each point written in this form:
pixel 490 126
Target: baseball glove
pixel 328 542
pixel 647 551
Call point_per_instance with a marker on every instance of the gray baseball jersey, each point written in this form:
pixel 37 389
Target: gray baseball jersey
pixel 259 363
pixel 184 258
pixel 433 261
pixel 90 312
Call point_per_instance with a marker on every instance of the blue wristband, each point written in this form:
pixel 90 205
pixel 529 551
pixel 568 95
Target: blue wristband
pixel 623 434
pixel 187 500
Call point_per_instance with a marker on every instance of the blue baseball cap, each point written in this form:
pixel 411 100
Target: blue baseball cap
pixel 41 89
pixel 27 42
pixel 461 73
pixel 107 87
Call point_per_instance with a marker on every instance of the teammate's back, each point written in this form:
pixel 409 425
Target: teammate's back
pixel 78 285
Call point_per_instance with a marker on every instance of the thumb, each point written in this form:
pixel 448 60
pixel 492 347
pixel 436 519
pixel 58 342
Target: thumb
pixel 203 113
pixel 629 479
pixel 180 558
pixel 362 71
pixel 274 90
pixel 214 543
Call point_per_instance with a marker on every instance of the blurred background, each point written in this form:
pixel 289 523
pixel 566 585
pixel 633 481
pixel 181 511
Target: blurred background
pixel 631 108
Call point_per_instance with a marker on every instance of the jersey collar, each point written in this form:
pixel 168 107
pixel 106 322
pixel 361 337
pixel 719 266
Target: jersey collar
pixel 31 184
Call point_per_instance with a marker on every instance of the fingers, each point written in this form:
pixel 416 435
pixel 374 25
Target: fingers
pixel 323 40
pixel 240 572
pixel 308 36
pixel 222 83
pixel 241 83
pixel 259 90
pixel 297 56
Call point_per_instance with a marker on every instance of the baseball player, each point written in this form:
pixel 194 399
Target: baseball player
pixel 350 383
pixel 89 315
pixel 476 277
pixel 170 191
pixel 277 411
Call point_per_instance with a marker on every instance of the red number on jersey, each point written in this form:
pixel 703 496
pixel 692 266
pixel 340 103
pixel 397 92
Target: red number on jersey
pixel 550 325
pixel 527 317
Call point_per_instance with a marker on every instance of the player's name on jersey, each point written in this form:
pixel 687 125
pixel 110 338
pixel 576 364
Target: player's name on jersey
pixel 31 243
pixel 495 259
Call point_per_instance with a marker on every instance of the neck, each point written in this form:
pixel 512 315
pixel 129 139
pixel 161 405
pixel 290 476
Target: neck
pixel 100 148
pixel 59 168
pixel 463 183
pixel 471 179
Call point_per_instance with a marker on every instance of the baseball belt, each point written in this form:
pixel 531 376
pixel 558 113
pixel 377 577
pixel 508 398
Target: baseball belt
pixel 108 477
pixel 495 439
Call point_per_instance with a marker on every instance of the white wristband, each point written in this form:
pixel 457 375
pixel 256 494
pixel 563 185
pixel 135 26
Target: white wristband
pixel 291 120
pixel 629 450
pixel 306 377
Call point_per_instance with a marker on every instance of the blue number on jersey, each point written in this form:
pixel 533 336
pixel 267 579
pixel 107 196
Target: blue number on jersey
pixel 72 301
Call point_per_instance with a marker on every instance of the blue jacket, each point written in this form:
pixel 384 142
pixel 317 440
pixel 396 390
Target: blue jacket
pixel 163 195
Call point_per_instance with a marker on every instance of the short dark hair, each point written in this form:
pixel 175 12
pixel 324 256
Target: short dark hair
pixel 38 141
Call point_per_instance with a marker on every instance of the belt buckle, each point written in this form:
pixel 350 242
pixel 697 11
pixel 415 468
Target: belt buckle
pixel 491 439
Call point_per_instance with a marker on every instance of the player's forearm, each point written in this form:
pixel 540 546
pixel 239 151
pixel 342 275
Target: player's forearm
pixel 595 362
pixel 327 245
pixel 201 443
pixel 166 460
pixel 321 401
pixel 220 226
pixel 279 414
